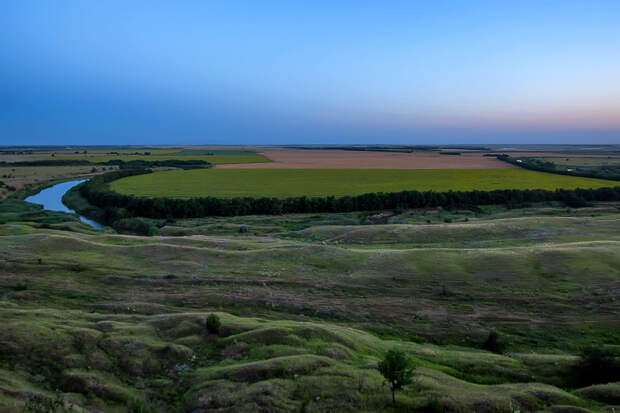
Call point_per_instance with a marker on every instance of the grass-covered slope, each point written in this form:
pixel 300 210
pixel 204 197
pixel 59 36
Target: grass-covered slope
pixel 309 304
pixel 170 362
pixel 283 183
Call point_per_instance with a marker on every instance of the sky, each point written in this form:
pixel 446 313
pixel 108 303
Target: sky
pixel 309 72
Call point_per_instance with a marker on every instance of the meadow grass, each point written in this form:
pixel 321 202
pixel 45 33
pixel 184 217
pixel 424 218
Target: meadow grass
pixel 282 183
pixel 305 323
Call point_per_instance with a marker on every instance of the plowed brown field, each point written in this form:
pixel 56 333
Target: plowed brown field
pixel 325 159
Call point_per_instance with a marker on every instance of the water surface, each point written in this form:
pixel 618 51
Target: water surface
pixel 51 199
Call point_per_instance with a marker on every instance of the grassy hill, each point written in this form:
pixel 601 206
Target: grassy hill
pixel 309 304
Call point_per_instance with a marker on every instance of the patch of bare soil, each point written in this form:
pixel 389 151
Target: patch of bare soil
pixel 320 159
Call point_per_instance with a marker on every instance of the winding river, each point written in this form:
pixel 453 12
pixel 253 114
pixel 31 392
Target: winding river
pixel 51 199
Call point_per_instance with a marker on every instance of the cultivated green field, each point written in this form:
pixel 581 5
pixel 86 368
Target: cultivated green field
pixel 338 182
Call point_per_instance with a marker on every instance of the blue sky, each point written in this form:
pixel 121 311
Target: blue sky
pixel 248 72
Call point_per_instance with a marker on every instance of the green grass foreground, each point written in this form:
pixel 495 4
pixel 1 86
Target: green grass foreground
pixel 309 304
pixel 283 183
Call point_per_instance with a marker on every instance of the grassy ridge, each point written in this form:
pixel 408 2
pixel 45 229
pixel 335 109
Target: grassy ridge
pixel 112 321
pixel 281 183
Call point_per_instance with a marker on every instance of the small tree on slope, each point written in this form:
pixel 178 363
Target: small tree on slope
pixel 397 368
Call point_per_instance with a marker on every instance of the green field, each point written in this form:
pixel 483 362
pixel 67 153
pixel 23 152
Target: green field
pixel 284 183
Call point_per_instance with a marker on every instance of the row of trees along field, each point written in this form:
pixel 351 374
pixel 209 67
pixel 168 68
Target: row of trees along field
pixel 611 172
pixel 117 206
pixel 137 164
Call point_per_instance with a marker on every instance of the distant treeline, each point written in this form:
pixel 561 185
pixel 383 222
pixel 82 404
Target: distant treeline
pixel 52 148
pixel 118 206
pixel 48 162
pixel 608 172
pixel 132 164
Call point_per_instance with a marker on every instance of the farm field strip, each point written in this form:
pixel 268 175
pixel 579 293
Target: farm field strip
pixel 282 183
pixel 214 159
pixel 330 159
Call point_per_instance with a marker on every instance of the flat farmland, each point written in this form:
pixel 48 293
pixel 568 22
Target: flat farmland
pixel 323 159
pixel 282 183
pixel 213 156
pixel 214 159
pixel 21 176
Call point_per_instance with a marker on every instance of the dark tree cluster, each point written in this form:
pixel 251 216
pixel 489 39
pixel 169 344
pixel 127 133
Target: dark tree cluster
pixel 132 164
pixel 48 162
pixel 596 365
pixel 169 163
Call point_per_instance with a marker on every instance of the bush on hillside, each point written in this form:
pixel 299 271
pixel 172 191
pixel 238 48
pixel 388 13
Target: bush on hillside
pixel 213 323
pixel 596 365
pixel 134 226
pixel 493 342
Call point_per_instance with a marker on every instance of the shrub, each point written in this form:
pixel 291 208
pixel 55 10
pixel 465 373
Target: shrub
pixel 493 343
pixel 596 365
pixel 433 406
pixel 397 368
pixel 76 267
pixel 213 323
pixel 20 286
pixel 41 404
pixel 140 406
pixel 134 226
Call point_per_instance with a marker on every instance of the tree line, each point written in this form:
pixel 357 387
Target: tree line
pixel 118 206
pixel 132 164
pixel 611 172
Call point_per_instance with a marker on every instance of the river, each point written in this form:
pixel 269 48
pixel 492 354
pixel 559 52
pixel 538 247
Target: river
pixel 51 199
